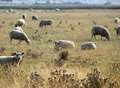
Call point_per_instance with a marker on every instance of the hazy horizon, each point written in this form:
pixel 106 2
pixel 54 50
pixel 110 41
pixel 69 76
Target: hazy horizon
pixel 62 1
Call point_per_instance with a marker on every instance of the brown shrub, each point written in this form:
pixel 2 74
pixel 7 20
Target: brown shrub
pixel 62 56
pixel 34 81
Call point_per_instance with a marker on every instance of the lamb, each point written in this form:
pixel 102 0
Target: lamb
pixel 59 44
pixel 117 29
pixel 15 59
pixel 100 30
pixel 88 45
pixel 34 17
pixel 20 22
pixel 19 35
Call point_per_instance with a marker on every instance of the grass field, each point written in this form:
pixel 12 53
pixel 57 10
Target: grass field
pixel 40 55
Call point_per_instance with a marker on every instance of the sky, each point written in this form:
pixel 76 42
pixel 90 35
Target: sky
pixel 89 1
pixel 95 1
pixel 83 1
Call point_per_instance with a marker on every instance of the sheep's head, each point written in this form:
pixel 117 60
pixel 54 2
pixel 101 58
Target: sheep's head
pixel 108 37
pixel 19 54
pixel 28 41
pixel 56 45
pixel 19 57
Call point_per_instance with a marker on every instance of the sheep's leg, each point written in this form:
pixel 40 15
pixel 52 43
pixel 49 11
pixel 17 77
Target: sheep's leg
pixel 101 37
pixel 95 37
pixel 92 37
pixel 11 40
pixel 19 62
pixel 117 36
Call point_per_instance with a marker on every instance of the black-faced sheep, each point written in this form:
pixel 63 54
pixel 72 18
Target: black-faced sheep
pixel 24 16
pixel 117 29
pixel 45 23
pixel 100 30
pixel 117 20
pixel 34 17
pixel 88 46
pixel 15 59
pixel 20 22
pixel 19 35
pixel 59 44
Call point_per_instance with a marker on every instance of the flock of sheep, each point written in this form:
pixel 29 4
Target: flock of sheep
pixel 18 34
pixel 97 30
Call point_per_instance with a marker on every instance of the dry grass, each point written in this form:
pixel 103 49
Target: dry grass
pixel 68 24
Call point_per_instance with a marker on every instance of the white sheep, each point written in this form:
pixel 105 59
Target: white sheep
pixel 24 16
pixel 20 22
pixel 19 35
pixel 88 45
pixel 64 44
pixel 117 20
pixel 14 59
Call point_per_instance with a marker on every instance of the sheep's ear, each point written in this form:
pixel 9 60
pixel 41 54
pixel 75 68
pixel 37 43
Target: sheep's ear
pixel 23 53
pixel 55 42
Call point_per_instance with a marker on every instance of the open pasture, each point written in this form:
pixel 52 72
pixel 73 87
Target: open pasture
pixel 74 25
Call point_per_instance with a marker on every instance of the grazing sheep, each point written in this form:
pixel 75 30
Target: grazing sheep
pixel 15 59
pixel 19 35
pixel 11 10
pixel 63 55
pixel 117 30
pixel 20 22
pixel 100 30
pixel 64 44
pixel 24 16
pixel 117 20
pixel 34 17
pixel 57 10
pixel 88 45
pixel 45 23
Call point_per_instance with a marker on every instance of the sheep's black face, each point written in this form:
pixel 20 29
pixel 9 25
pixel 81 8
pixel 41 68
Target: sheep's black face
pixel 108 37
pixel 19 56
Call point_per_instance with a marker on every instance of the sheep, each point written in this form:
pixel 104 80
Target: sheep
pixel 11 10
pixel 88 45
pixel 117 29
pixel 117 20
pixel 14 59
pixel 20 22
pixel 100 30
pixel 34 17
pixel 19 35
pixel 57 10
pixel 24 16
pixel 59 44
pixel 45 23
